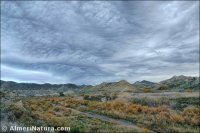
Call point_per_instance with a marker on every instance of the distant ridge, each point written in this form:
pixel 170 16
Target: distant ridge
pixel 14 85
pixel 176 83
pixel 144 83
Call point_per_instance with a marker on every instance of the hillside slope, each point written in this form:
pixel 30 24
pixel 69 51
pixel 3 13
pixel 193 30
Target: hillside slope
pixel 182 82
pixel 112 87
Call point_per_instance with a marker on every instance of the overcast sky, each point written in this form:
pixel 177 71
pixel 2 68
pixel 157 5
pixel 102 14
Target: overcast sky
pixel 93 42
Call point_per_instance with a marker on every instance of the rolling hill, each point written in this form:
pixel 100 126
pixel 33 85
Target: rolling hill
pixel 176 83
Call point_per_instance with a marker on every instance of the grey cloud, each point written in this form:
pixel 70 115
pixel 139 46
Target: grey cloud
pixel 88 42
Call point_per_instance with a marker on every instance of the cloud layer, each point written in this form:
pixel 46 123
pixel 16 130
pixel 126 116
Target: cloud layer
pixel 88 42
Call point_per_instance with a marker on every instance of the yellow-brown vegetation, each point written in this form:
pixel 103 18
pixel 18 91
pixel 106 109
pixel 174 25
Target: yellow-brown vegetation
pixel 55 109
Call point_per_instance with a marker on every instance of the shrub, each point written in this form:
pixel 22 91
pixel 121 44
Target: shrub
pixel 188 90
pixel 187 100
pixel 86 97
pixel 147 90
pixel 145 130
pixel 151 101
pixel 176 118
pixel 17 111
pixel 191 111
pixel 61 94
pixel 163 87
pixel 56 109
pixel 196 121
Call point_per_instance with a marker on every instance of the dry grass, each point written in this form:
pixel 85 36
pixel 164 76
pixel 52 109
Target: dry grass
pixel 160 117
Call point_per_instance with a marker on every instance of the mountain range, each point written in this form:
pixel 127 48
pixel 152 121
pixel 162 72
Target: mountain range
pixel 176 83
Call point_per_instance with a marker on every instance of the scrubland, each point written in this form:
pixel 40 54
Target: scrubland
pixel 150 114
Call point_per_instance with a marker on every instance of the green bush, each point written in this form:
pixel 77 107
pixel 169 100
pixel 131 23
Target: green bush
pixel 61 94
pixel 151 101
